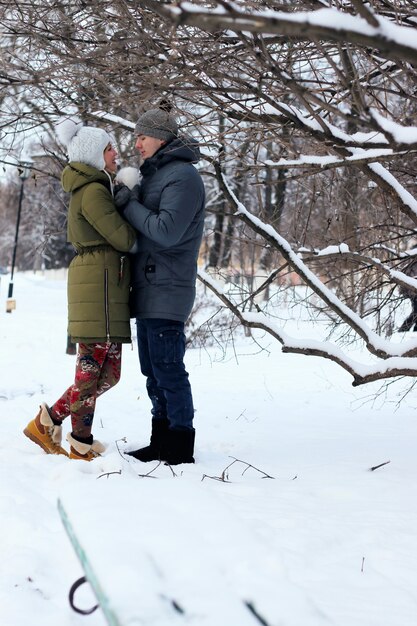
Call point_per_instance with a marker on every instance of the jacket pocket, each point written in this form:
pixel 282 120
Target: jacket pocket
pixel 168 345
pixel 157 270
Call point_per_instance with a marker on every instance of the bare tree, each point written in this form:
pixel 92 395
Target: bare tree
pixel 318 107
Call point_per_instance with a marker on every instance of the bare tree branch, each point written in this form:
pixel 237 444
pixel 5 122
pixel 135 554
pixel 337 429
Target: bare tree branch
pixel 388 38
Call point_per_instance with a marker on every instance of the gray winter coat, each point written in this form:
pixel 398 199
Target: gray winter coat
pixel 169 215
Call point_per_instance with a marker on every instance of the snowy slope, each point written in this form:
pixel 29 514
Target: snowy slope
pixel 325 540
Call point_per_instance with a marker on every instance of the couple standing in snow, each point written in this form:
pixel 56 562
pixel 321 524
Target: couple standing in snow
pixel 136 256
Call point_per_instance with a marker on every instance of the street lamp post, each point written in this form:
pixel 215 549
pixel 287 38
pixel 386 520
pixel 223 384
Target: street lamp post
pixel 24 169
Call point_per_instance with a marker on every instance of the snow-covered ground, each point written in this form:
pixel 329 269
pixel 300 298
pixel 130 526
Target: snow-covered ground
pixel 325 541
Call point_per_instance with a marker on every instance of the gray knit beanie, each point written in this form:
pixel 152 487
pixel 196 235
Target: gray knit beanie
pixel 157 123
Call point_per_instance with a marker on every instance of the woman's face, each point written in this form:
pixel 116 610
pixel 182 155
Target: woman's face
pixel 110 158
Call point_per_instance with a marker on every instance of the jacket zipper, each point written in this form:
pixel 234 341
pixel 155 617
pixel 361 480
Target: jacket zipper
pixel 106 302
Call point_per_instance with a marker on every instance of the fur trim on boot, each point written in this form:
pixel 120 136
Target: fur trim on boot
pixel 45 433
pixel 84 451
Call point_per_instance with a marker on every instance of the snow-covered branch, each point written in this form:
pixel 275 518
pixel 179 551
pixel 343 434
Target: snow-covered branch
pixel 397 277
pixel 375 344
pixel 336 252
pixel 396 133
pixel 349 146
pixel 362 373
pixel 330 162
pixel 396 42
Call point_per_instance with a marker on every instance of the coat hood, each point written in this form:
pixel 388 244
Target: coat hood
pixel 179 149
pixel 76 175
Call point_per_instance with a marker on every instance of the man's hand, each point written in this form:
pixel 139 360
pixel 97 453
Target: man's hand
pixel 134 194
pixel 122 195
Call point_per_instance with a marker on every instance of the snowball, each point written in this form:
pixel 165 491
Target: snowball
pixel 128 176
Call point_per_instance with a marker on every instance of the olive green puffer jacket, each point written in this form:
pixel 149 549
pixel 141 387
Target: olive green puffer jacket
pixel 98 276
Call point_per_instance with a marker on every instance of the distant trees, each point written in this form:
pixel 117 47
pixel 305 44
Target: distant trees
pixel 306 114
pixel 42 232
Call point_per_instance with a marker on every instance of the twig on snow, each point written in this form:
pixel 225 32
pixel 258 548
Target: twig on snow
pixel 118 449
pixel 170 467
pixel 375 467
pixel 109 474
pixel 148 475
pixel 224 477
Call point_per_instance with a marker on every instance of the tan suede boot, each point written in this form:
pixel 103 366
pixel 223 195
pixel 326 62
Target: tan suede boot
pixel 84 451
pixel 45 433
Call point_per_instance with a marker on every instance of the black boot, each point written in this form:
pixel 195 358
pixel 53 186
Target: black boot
pixel 178 446
pixel 153 451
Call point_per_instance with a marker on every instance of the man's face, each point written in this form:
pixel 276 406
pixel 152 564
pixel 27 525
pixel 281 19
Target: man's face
pixel 147 146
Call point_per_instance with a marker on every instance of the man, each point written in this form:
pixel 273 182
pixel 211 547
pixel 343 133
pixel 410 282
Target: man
pixel 167 209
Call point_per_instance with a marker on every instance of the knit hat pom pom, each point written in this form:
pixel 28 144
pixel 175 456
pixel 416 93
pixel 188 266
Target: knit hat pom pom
pixel 66 129
pixel 128 176
pixel 165 105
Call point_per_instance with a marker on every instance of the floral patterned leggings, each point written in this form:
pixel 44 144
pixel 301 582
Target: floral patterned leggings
pixel 97 369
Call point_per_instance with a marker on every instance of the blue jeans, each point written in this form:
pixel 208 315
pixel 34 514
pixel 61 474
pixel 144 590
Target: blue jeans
pixel 161 345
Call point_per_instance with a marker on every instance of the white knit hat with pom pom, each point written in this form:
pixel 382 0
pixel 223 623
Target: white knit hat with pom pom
pixel 85 144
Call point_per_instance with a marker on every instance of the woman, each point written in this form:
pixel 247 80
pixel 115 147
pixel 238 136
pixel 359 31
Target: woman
pixel 98 291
